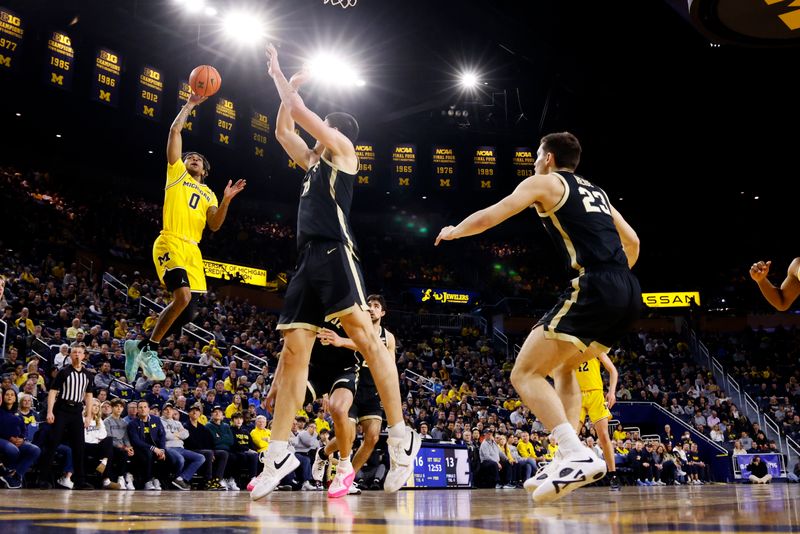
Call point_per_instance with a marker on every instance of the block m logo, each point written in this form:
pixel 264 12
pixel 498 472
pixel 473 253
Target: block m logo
pixel 790 18
pixel 363 180
pixel 444 182
pixel 56 79
pixel 147 111
pixel 404 182
pixel 5 61
pixel 224 139
pixel 105 96
pixel 486 184
pixel 260 152
pixel 163 259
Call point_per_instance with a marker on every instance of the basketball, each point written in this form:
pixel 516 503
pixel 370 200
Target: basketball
pixel 205 80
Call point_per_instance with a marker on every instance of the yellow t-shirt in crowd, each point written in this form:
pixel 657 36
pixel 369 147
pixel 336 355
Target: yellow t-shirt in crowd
pixel 512 404
pixel 525 449
pixel 620 435
pixel 322 423
pixel 261 439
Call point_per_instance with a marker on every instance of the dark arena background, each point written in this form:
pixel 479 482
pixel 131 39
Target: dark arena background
pixel 686 111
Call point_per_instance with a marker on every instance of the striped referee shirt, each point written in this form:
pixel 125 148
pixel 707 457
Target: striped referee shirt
pixel 72 384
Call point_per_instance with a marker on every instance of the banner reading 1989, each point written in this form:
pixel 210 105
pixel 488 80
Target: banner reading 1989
pixel 404 166
pixel 11 33
pixel 224 122
pixel 184 92
pixel 366 164
pixel 523 161
pixel 151 93
pixel 444 167
pixel 259 124
pixel 106 82
pixel 485 160
pixel 60 61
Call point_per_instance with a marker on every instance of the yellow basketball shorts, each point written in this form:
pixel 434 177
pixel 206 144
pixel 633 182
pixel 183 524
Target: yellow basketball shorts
pixel 171 255
pixel 593 403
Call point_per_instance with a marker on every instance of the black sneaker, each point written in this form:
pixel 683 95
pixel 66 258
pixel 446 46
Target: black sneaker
pixel 12 481
pixel 44 485
pixel 615 483
pixel 181 484
pixel 285 487
pixel 83 486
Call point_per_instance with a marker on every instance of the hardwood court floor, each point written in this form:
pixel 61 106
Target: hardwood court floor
pixel 716 508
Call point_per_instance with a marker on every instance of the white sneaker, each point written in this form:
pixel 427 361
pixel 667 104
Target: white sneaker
pixel 274 471
pixel 570 473
pixel 224 483
pixel 157 484
pixel 66 482
pixel 318 469
pixel 542 473
pixel 129 482
pixel 340 485
pixel 232 485
pixel 354 489
pixel 149 486
pixel 122 484
pixel 308 486
pixel 402 453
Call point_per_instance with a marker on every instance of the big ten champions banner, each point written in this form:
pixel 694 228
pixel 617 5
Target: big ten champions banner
pixel 11 33
pixel 106 81
pixel 60 61
pixel 444 167
pixel 524 159
pixel 184 92
pixel 224 122
pixel 259 126
pixel 485 162
pixel 404 166
pixel 235 273
pixel 151 93
pixel 366 164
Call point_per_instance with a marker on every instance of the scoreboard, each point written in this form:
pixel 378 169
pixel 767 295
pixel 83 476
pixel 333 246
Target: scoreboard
pixel 441 466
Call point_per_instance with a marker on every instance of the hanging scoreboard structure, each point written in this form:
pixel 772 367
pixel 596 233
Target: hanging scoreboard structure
pixel 60 61
pixel 150 93
pixel 444 167
pixel 11 34
pixel 404 166
pixel 184 92
pixel 106 77
pixel 259 124
pixel 224 122
pixel 485 162
pixel 366 164
pixel 524 159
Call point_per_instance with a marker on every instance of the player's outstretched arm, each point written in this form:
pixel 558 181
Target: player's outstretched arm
pixel 327 335
pixel 329 137
pixel 174 141
pixel 613 377
pixel 215 216
pixel 779 297
pixel 630 241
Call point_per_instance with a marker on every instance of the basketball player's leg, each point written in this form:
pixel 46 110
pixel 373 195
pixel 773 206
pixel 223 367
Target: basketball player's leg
pixel 339 407
pixel 181 299
pixel 371 428
pixel 568 390
pixel 603 437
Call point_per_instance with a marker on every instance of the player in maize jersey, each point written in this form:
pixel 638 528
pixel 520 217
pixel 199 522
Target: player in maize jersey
pixel 189 204
pixel 327 283
pixel 598 407
pixel 779 297
pixel 604 298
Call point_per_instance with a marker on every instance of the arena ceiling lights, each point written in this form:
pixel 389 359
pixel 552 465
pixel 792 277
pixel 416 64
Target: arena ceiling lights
pixel 333 70
pixel 244 28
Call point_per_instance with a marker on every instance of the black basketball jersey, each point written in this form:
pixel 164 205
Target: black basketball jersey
pixel 331 357
pixel 384 340
pixel 582 227
pixel 324 209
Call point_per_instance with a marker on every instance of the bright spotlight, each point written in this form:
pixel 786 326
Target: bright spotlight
pixel 194 6
pixel 210 11
pixel 334 71
pixel 469 80
pixel 243 27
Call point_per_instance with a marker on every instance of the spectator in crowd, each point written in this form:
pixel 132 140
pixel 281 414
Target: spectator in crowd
pixel 242 455
pixel 149 442
pixel 223 441
pixel 746 441
pixel 16 454
pixel 201 441
pixel 759 473
pixel 117 429
pixel 738 449
pixel 100 446
pixel 185 462
pixel 641 461
pixel 372 473
pixel 260 434
pixel 489 471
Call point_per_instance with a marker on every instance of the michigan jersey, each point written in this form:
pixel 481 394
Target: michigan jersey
pixel 186 202
pixel 589 375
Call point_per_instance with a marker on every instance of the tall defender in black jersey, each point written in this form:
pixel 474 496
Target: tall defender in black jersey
pixel 602 302
pixel 327 283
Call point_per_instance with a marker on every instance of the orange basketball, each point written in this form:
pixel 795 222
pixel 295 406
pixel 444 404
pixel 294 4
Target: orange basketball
pixel 205 80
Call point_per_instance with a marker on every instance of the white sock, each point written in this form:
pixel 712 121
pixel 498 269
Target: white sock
pixel 345 464
pixel 277 448
pixel 398 431
pixel 567 439
pixel 104 461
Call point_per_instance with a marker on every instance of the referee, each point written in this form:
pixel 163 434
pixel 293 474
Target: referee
pixel 69 394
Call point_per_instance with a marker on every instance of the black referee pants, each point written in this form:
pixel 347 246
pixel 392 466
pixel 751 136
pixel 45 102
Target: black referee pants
pixel 67 427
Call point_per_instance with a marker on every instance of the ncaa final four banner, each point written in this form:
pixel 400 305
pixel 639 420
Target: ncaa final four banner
pixel 485 161
pixel 366 164
pixel 404 166
pixel 259 124
pixel 523 161
pixel 60 61
pixel 150 93
pixel 106 79
pixel 224 122
pixel 444 167
pixel 11 34
pixel 184 92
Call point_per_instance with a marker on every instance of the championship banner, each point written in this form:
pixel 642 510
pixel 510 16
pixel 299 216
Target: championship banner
pixel 443 296
pixel 235 273
pixel 224 121
pixel 259 124
pixel 106 79
pixel 680 299
pixel 444 167
pixel 150 94
pixel 11 33
pixel 184 92
pixel 773 462
pixel 524 159
pixel 404 166
pixel 485 162
pixel 60 61
pixel 366 164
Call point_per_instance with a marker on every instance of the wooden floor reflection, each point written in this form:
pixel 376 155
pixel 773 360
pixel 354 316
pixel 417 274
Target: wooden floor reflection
pixel 717 508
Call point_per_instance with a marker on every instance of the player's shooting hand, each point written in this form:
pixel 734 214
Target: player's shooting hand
pixel 273 66
pixel 760 270
pixel 196 100
pixel 611 399
pixel 445 234
pixel 233 189
pixel 300 77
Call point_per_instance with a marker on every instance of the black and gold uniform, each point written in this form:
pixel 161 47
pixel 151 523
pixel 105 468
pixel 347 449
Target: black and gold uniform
pixel 367 403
